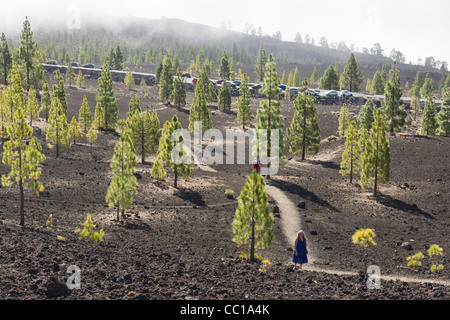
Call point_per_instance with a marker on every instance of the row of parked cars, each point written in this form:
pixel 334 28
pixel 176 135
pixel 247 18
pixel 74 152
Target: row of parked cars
pixel 75 64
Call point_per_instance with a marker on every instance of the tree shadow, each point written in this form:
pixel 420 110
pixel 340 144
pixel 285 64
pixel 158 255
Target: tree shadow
pixel 193 197
pixel 391 202
pixel 302 192
pixel 326 164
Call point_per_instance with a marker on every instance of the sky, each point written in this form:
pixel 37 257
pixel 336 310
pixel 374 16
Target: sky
pixel 418 29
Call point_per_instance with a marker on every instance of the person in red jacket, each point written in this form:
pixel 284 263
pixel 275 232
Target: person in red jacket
pixel 256 165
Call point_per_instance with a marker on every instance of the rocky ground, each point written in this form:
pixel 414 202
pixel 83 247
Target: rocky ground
pixel 176 244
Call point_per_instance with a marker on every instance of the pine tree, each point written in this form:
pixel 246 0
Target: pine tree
pixel 261 61
pixel 212 95
pixel 296 78
pixel 85 115
pixel 344 121
pixel 314 76
pixel 232 70
pixel 5 58
pixel 118 59
pixel 46 100
pixel 179 91
pixel 418 80
pixel 166 80
pixel 172 153
pixel 443 119
pixel 105 117
pixel 74 131
pixel 269 119
pixel 91 137
pixel 15 92
pixel 70 75
pixel 243 114
pixel 123 186
pixel 283 79
pixel 351 155
pixel 384 75
pixel 199 110
pixel 429 122
pixel 32 107
pixel 60 92
pixel 428 86
pixel 27 50
pixel 351 77
pixel 304 133
pixel 394 113
pixel 369 86
pixel 57 131
pixel 253 220
pixel 224 102
pixel 377 84
pixel 23 154
pixel 330 79
pixel 67 58
pixel 224 69
pixel 158 171
pixel 134 106
pixel 144 132
pixel 290 82
pixel 129 81
pixel 376 160
pixel 4 104
pixel 366 115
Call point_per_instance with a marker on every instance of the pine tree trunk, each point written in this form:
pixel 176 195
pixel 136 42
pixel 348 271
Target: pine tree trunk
pixel 252 246
pixel 376 171
pixel 304 137
pixel 22 213
pixel 118 211
pixel 351 163
pixel 176 179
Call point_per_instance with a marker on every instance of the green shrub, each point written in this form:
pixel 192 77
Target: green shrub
pixel 88 231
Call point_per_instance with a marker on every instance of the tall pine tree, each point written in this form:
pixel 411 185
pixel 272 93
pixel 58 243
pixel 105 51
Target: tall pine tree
pixel 261 61
pixel 394 112
pixel 351 77
pixel 224 102
pixel 351 155
pixel 243 114
pixel 106 111
pixel 429 122
pixel 57 131
pixel 85 115
pixel 199 110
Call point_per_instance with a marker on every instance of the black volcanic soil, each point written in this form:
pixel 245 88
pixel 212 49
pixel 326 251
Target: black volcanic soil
pixel 177 243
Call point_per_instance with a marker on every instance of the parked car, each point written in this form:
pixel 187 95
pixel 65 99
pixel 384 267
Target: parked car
pixel 256 86
pixel 194 80
pixel 219 81
pixel 345 93
pixel 52 62
pixel 312 92
pixel 230 84
pixel 88 65
pixel 73 64
pixel 332 93
pixel 282 87
pixel 109 67
pixel 294 90
pixel 186 75
pixel 237 82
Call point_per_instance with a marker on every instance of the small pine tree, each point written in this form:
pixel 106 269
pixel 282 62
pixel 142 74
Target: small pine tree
pixel 166 79
pixel 344 121
pixel 91 137
pixel 253 220
pixel 376 160
pixel 369 85
pixel 25 158
pixel 74 131
pixel 212 95
pixel 134 106
pixel 243 114
pixel 351 155
pixel 46 100
pixel 296 78
pixel 80 79
pixel 123 186
pixel 57 131
pixel 199 110
pixel 144 132
pixel 158 171
pixel 366 115
pixel 304 133
pixel 351 77
pixel 179 91
pixel 314 76
pixel 443 117
pixel 224 103
pixel 377 84
pixel 394 112
pixel 32 108
pixel 129 81
pixel 429 122
pixel 70 75
pixel 105 117
pixel 85 115
pixel 330 79
pixel 60 92
pixel 260 63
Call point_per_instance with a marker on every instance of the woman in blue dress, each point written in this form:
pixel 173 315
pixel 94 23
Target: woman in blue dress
pixel 300 253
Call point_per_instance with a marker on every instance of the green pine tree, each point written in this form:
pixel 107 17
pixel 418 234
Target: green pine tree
pixel 74 131
pixel 85 115
pixel 394 112
pixel 105 117
pixel 5 58
pixel 199 110
pixel 60 92
pixel 144 132
pixel 134 106
pixel 243 114
pixel 158 171
pixel 351 77
pixel 376 159
pixel 129 81
pixel 314 76
pixel 91 137
pixel 118 59
pixel 28 50
pixel 166 80
pixel 366 115
pixel 351 155
pixel 46 100
pixel 296 78
pixel 443 119
pixel 172 153
pixel 123 185
pixel 224 102
pixel 253 220
pixel 224 69
pixel 15 93
pixel 429 122
pixel 179 91
pixel 32 107
pixel 344 121
pixel 57 131
pixel 304 133
pixel 428 86
pixel 269 119
pixel 330 79
pixel 25 158
pixel 377 84
pixel 212 95
pixel 70 75
pixel 261 60
pixel 369 85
